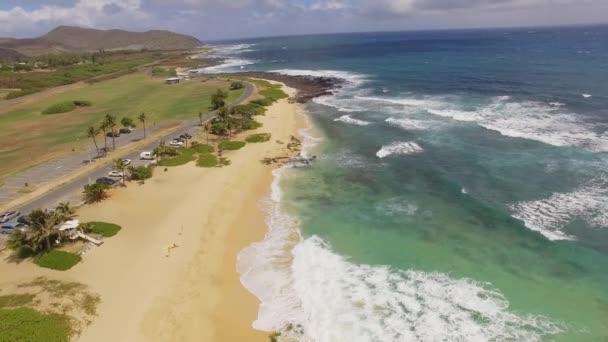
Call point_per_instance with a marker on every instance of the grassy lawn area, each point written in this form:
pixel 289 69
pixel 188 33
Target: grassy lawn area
pixel 29 137
pixel 105 229
pixel 207 160
pixel 232 145
pixel 26 324
pixel 186 156
pixel 258 138
pixel 57 260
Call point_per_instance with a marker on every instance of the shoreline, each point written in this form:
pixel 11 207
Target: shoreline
pixel 192 292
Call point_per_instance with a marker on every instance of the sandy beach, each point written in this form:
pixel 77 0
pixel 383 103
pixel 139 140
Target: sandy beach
pixel 192 292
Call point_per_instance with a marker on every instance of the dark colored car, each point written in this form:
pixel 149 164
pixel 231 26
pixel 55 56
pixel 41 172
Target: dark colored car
pixel 9 228
pixel 125 130
pixel 105 180
pixel 24 219
pixel 113 134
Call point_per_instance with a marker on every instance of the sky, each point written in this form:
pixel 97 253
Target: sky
pixel 228 19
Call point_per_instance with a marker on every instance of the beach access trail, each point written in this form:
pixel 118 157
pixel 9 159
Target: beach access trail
pixel 170 273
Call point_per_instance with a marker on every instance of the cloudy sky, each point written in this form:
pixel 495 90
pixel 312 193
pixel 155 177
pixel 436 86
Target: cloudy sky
pixel 221 19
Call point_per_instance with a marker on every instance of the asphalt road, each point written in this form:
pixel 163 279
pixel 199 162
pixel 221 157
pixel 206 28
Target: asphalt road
pixel 73 189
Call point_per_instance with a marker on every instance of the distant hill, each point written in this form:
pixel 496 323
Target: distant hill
pixel 9 55
pixel 69 38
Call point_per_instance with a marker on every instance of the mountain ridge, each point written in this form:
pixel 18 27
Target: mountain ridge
pixel 78 39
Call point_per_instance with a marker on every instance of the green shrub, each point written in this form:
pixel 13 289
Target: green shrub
pixel 83 103
pixel 232 145
pixel 95 192
pixel 258 138
pixel 25 324
pixel 251 108
pixel 184 157
pixel 237 85
pixel 207 160
pixel 57 260
pixel 62 107
pixel 251 124
pixel 140 173
pixel 15 300
pixel 104 229
pixel 202 148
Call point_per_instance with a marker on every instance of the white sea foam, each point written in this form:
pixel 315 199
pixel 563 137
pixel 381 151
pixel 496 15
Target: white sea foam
pixel 232 61
pixel 342 95
pixel 557 104
pixel 549 124
pixel 350 120
pixel 411 123
pixel 397 206
pixel 343 301
pixel 399 148
pixel 587 95
pixel 549 216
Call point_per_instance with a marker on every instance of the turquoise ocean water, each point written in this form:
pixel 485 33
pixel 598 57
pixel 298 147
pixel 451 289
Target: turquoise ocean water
pixel 460 194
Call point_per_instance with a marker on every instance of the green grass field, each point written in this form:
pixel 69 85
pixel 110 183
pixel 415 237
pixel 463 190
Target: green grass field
pixel 105 229
pixel 28 136
pixel 57 260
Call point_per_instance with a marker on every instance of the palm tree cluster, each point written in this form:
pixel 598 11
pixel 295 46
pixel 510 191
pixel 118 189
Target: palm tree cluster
pixel 162 150
pixel 232 120
pixel 108 125
pixel 42 233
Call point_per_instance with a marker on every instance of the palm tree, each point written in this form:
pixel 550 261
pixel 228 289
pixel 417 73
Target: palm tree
pixel 200 117
pixel 142 118
pixel 42 229
pixel 111 124
pixel 103 126
pixel 65 211
pixel 207 128
pixel 119 165
pixel 223 114
pixel 92 132
pixel 94 192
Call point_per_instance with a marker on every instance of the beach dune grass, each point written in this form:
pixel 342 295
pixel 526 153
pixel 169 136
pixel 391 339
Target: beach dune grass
pixel 185 156
pixel 202 148
pixel 258 138
pixel 104 229
pixel 207 160
pixel 57 260
pixel 15 300
pixel 26 324
pixel 230 145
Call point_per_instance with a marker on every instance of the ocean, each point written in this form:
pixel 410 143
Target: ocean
pixel 460 191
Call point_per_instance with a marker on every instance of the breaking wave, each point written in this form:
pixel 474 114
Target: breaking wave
pixel 397 148
pixel 232 62
pixel 350 120
pixel 549 216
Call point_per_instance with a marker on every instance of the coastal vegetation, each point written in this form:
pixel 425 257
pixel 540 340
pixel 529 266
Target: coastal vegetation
pixel 127 96
pixel 95 192
pixel 163 72
pixel 258 138
pixel 229 145
pixel 46 310
pixel 207 160
pixel 102 228
pixel 218 99
pixel 66 106
pixel 57 260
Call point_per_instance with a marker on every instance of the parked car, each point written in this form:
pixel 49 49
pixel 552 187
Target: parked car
pixel 127 161
pixel 126 130
pixel 9 215
pixel 176 143
pixel 146 155
pixel 113 134
pixel 116 173
pixel 105 180
pixel 10 227
pixel 25 219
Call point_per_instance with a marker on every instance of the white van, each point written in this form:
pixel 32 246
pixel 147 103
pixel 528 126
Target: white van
pixel 146 155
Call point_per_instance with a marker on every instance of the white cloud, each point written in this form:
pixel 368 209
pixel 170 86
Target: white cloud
pixel 92 13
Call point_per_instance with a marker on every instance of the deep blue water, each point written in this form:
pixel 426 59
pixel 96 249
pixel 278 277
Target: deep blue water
pixel 461 192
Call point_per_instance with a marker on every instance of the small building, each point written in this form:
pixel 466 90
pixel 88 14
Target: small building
pixel 172 80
